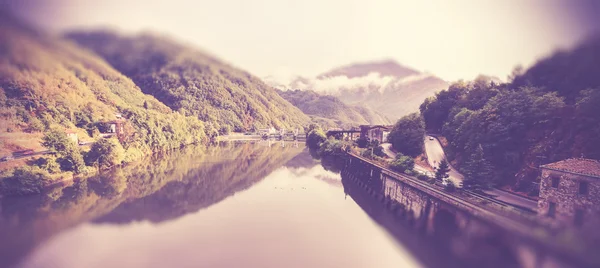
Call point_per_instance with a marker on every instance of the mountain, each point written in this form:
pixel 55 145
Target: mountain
pixel 47 82
pixel 193 82
pixel 385 87
pixel 383 68
pixel 330 111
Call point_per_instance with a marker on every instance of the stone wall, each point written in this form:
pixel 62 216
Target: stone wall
pixel 467 231
pixel 568 200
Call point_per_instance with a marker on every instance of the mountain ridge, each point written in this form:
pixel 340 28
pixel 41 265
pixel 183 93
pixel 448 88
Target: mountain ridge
pixel 383 86
pixel 193 82
pixel 330 111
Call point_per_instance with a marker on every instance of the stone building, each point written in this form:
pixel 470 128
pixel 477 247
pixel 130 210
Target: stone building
pixel 570 193
pixel 376 132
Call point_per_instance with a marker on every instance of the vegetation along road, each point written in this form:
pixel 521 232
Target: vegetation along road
pixel 435 154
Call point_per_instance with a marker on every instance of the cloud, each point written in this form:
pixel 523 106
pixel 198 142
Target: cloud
pixel 333 85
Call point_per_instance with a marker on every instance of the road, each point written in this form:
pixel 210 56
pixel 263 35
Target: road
pixel 512 199
pixel 435 153
pixel 25 155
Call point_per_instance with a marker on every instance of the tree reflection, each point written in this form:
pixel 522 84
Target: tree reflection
pixel 163 187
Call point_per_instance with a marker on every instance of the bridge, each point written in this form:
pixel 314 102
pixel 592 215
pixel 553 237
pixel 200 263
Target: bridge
pixel 335 132
pixel 369 132
pixel 424 205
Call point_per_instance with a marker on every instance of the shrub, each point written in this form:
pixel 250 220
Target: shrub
pixel 423 177
pixel 35 125
pixel 69 155
pixel 409 172
pixel 402 163
pixel 48 164
pixel 450 187
pixel 362 142
pixel 72 161
pixel 366 153
pixel 378 151
pixel 332 147
pixel 224 130
pixel 132 154
pixel 57 141
pixel 105 153
pixel 315 138
pixel 25 180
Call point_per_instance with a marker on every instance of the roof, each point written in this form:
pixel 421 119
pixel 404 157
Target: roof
pixel 375 126
pixel 70 131
pixel 581 166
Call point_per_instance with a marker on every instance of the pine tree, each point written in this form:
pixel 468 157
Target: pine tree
pixel 478 171
pixel 441 172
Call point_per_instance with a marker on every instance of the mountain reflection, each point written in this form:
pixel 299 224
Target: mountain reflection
pixel 158 189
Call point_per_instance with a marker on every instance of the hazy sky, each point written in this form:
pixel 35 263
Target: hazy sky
pixel 452 39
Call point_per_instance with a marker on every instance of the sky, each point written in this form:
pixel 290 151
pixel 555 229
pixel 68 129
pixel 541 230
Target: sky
pixel 454 40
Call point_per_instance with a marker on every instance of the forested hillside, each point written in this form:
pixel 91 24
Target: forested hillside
pixel 194 83
pixel 548 113
pixel 47 83
pixel 330 111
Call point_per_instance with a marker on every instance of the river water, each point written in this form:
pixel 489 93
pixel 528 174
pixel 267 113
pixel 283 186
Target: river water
pixel 258 204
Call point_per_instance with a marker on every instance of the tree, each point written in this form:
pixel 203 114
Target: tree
pixel 441 172
pixel 331 147
pixel 312 127
pixel 69 155
pixel 378 151
pixel 407 135
pixel 25 180
pixel 35 125
pixel 402 163
pixel 435 110
pixel 478 171
pixel 48 163
pixel 56 141
pixel 315 138
pixel 105 153
pixel 362 142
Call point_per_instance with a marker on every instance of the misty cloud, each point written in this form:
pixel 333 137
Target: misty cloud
pixel 333 85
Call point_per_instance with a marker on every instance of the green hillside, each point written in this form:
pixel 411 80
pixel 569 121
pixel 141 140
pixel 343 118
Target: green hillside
pixel 194 83
pixel 548 113
pixel 330 111
pixel 47 83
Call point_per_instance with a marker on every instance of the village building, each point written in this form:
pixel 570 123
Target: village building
pixel 72 135
pixel 375 132
pixel 268 131
pixel 115 126
pixel 570 193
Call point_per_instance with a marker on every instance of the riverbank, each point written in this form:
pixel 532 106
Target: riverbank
pixel 255 137
pixel 409 192
pixel 39 172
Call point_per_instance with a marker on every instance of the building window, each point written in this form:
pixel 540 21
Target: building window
pixel 583 187
pixel 555 182
pixel 551 209
pixel 578 217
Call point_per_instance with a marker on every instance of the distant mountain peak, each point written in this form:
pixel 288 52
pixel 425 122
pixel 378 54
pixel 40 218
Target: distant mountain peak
pixel 387 67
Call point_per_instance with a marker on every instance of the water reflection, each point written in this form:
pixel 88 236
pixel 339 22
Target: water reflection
pixel 162 188
pixel 293 213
